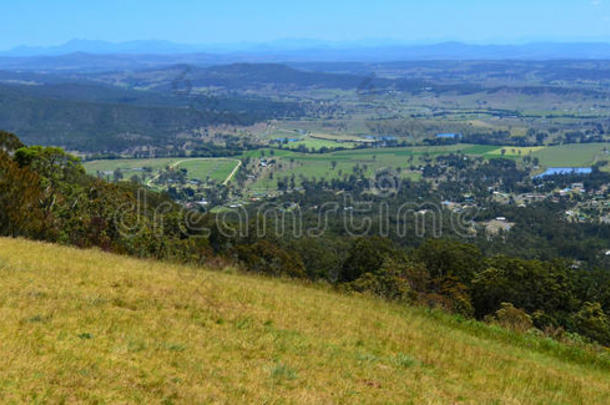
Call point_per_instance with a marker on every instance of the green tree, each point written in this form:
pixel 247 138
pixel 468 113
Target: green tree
pixel 117 175
pixel 20 196
pixel 446 258
pixel 367 255
pixel 591 321
pixel 531 285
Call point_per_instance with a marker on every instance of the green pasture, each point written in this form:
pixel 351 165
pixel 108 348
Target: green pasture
pixel 515 150
pixel 214 169
pixel 217 169
pixel 317 144
pixel 320 166
pixel 107 165
pixel 573 155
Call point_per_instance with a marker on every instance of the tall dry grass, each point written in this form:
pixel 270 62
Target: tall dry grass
pixel 85 326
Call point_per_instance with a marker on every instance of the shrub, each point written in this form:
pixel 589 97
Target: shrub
pixel 457 296
pixel 404 360
pixel 390 281
pixel 512 318
pixel 282 371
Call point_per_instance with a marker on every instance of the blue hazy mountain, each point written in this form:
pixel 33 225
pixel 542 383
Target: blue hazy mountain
pixel 152 53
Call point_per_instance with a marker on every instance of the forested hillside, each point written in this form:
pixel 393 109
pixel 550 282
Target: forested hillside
pixel 98 118
pixel 46 195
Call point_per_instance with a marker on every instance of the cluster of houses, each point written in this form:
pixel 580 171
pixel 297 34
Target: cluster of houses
pixel 574 188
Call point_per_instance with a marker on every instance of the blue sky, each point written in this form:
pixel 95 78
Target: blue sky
pixel 36 22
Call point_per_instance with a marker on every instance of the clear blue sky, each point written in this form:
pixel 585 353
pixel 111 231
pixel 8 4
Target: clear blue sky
pixel 41 22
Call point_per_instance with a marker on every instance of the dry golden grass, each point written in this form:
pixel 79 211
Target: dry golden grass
pixel 85 326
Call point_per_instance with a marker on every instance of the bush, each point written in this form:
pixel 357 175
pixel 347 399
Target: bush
pixel 391 281
pixel 512 318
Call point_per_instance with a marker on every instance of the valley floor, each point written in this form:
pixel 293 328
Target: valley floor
pixel 85 326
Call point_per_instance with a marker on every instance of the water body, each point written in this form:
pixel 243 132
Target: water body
pixel 449 136
pixel 381 138
pixel 554 171
pixel 283 140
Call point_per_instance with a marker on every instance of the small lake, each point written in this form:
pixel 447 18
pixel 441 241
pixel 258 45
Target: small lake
pixel 553 171
pixel 284 140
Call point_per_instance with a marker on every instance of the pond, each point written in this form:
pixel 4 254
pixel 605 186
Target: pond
pixel 553 171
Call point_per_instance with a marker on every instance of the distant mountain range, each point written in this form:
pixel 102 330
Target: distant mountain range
pixel 304 50
pixel 156 47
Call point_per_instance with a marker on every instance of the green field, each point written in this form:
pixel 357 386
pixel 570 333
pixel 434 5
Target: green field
pixel 315 141
pixel 217 169
pixel 515 150
pixel 320 165
pixel 84 326
pixel 110 165
pixel 576 155
pixel 317 144
pixel 214 169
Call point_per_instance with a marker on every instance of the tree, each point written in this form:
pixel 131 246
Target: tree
pixel 20 196
pixel 268 258
pixel 9 143
pixel 117 175
pixel 446 258
pixel 528 284
pixel 591 321
pixel 367 255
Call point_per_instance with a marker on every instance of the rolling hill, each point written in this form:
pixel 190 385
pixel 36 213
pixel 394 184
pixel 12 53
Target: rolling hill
pixel 86 326
pixel 238 76
pixel 95 117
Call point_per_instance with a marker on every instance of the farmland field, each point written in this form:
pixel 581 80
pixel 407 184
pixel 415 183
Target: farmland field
pixel 370 160
pixel 198 168
pixel 573 155
pixel 335 137
pixel 214 169
pixel 334 165
pixel 109 165
pixel 317 143
pixel 321 165
pixel 516 150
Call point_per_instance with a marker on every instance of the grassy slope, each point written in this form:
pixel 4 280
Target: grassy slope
pixel 89 326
